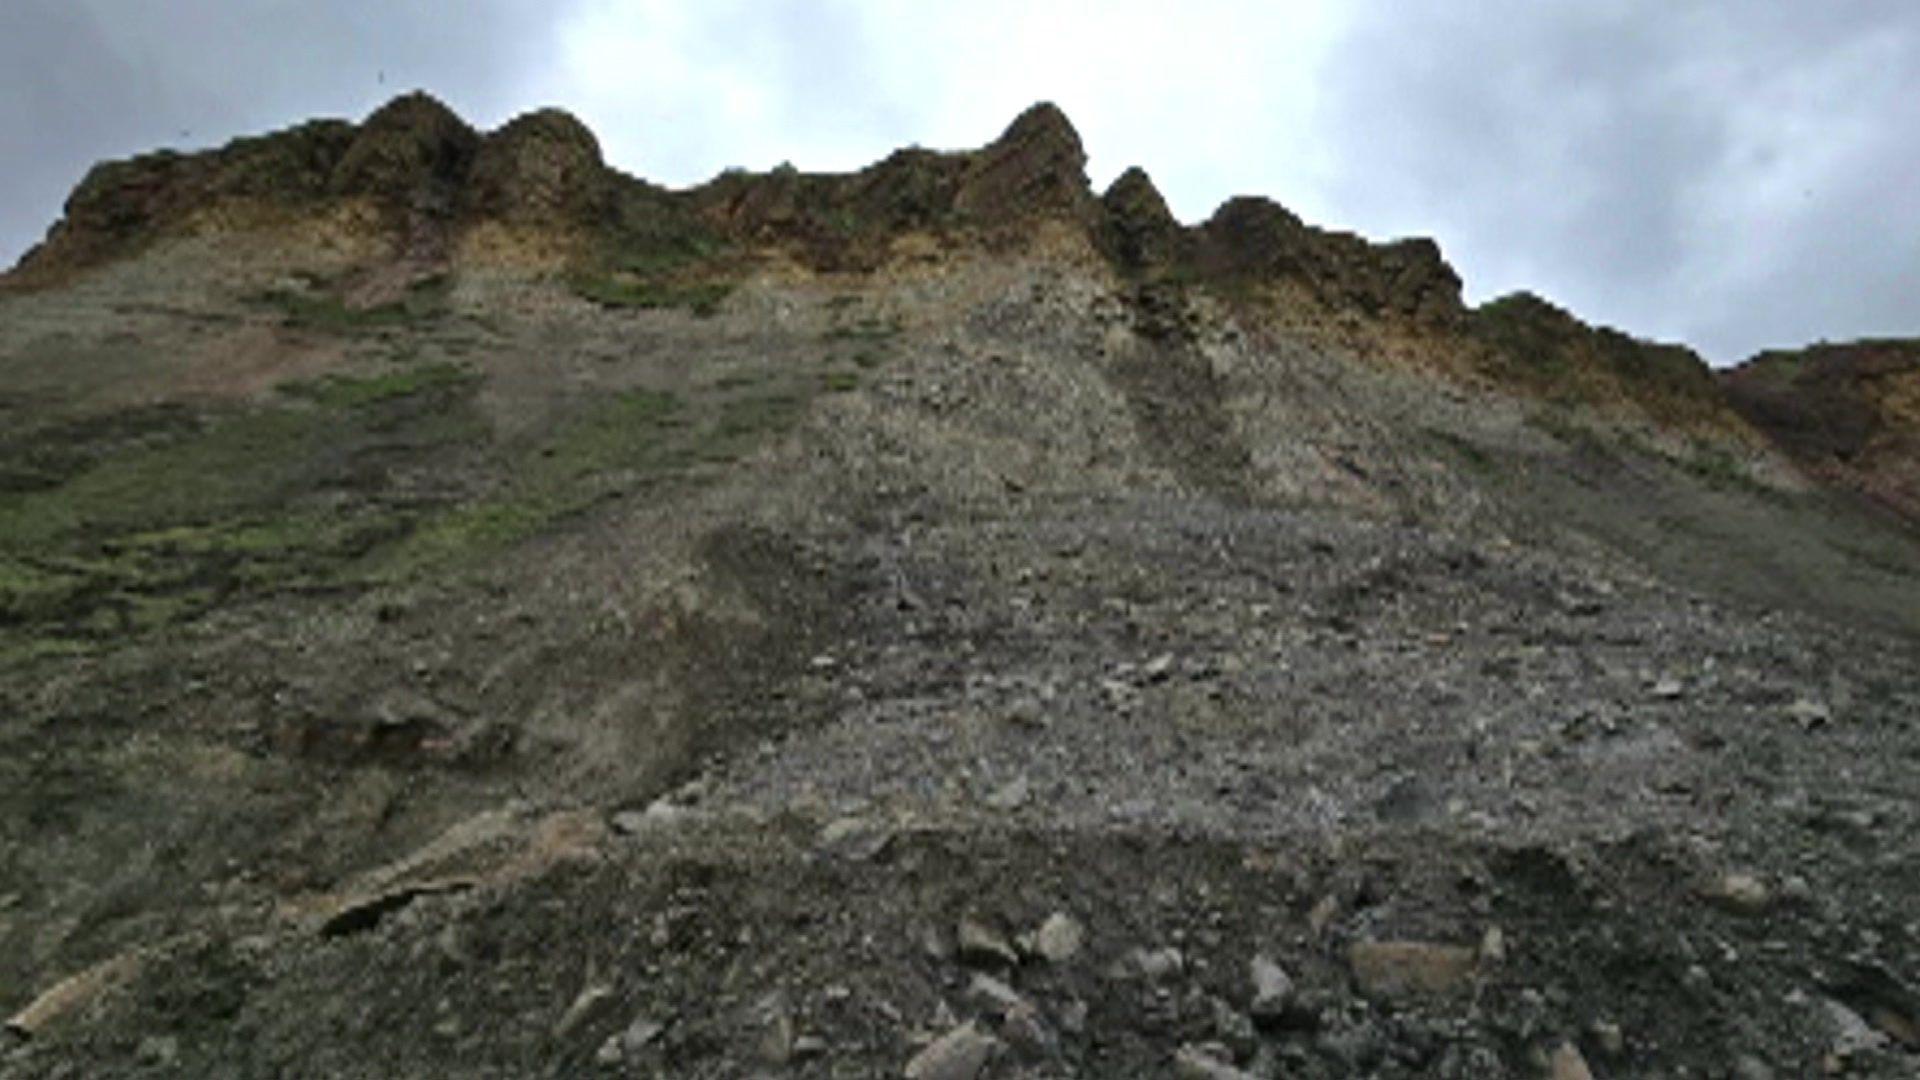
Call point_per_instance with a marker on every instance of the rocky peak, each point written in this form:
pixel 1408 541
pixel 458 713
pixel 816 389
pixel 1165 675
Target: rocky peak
pixel 410 149
pixel 1037 166
pixel 1142 230
pixel 540 167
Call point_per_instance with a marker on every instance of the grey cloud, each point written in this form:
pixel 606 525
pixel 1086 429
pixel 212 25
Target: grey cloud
pixel 1609 155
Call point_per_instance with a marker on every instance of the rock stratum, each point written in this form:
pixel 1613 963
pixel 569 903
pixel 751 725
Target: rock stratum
pixel 466 611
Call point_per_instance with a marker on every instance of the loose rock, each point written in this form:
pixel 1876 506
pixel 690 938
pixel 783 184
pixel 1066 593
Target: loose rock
pixel 1567 1064
pixel 1272 990
pixel 1741 893
pixel 960 1054
pixel 993 990
pixel 1809 713
pixel 1059 939
pixel 1493 946
pixel 72 993
pixel 587 1007
pixel 981 945
pixel 1193 1063
pixel 1011 796
pixel 1153 964
pixel 1401 968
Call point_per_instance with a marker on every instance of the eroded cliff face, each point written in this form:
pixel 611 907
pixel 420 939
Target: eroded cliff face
pixel 1849 414
pixel 464 610
pixel 414 182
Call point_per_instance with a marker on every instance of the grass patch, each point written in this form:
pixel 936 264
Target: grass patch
pixel 347 392
pixel 151 531
pixel 753 416
pixel 621 289
pixel 839 382
pixel 867 328
pixel 635 437
pixel 1718 467
pixel 327 313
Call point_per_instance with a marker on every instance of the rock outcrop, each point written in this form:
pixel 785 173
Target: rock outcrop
pixel 1850 414
pixel 1843 413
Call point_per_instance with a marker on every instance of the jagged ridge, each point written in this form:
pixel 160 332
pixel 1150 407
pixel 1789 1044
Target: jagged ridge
pixel 431 179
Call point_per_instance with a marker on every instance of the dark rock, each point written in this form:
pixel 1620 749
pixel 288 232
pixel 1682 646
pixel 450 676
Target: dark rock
pixel 413 152
pixel 540 168
pixel 1038 167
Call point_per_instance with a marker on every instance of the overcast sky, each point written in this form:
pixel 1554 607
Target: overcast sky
pixel 1732 174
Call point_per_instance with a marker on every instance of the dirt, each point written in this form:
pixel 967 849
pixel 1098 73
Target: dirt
pixel 446 668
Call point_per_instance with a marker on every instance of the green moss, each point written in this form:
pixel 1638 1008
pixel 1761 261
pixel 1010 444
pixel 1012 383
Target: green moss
pixel 346 392
pixel 323 311
pixel 146 532
pixel 867 328
pixel 236 462
pixel 1718 467
pixel 839 382
pixel 622 289
pixel 633 437
pixel 751 417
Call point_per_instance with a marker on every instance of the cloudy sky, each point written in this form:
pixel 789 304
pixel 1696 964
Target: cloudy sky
pixel 1733 174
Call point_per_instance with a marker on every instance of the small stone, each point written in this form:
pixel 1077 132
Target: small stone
pixel 1493 946
pixel 1158 668
pixel 1748 1067
pixel 1741 893
pixel 1272 989
pixel 661 813
pixel 1194 1063
pixel 960 1054
pixel 1155 964
pixel 1402 968
pixel 74 993
pixel 1011 796
pixel 1668 688
pixel 1809 714
pixel 854 838
pixel 809 1046
pixel 1322 914
pixel 640 1034
pixel 1059 939
pixel 840 830
pixel 1567 1064
pixel 1852 1034
pixel 1024 1029
pixel 775 1020
pixel 1235 1030
pixel 1795 889
pixel 1004 997
pixel 611 1052
pixel 586 1008
pixel 1612 1041
pixel 980 945
pixel 160 1050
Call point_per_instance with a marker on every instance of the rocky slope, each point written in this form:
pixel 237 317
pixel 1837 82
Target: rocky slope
pixel 465 611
